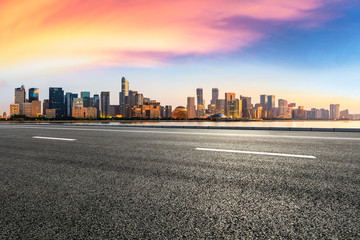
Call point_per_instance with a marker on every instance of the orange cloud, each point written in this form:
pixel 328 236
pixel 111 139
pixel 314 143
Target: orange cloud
pixel 45 34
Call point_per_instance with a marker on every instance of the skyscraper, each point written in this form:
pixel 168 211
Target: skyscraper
pixel 56 101
pixel 234 109
pixel 105 104
pixel 246 107
pixel 264 100
pixel 334 111
pixel 271 101
pixel 270 109
pixel 68 104
pixel 20 98
pixel 215 95
pixel 45 106
pixel 199 96
pixel 283 108
pixel 228 97
pixel 86 98
pixel 191 107
pixel 220 106
pixel 200 102
pixel 20 95
pixel 35 108
pixel 124 91
pixel 33 94
pixel 97 104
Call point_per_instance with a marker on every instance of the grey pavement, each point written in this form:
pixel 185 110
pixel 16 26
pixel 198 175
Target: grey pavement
pixel 131 183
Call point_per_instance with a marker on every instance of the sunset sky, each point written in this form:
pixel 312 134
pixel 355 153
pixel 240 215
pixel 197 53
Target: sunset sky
pixel 305 51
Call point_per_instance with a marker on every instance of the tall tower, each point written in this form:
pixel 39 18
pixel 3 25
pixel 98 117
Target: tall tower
pixel 124 91
pixel 20 98
pixel 191 107
pixel 105 104
pixel 200 96
pixel 334 111
pixel 215 95
pixel 228 97
pixel 264 100
pixel 97 104
pixel 283 108
pixel 271 101
pixel 200 102
pixel 68 104
pixel 56 101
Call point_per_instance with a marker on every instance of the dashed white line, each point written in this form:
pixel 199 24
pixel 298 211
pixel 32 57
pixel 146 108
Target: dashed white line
pixel 53 138
pixel 257 153
pixel 191 133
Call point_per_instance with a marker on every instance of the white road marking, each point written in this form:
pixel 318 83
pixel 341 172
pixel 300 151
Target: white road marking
pixel 53 138
pixel 190 133
pixel 257 153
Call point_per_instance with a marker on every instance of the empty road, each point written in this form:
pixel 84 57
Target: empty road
pixel 83 182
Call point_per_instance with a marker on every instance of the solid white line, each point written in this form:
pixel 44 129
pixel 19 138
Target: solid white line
pixel 53 138
pixel 189 133
pixel 257 153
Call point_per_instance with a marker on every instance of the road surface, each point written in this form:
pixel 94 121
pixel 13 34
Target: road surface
pixel 82 182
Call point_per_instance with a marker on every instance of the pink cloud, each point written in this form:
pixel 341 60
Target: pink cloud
pixel 139 32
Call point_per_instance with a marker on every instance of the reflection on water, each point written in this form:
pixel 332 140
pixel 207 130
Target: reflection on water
pixel 300 124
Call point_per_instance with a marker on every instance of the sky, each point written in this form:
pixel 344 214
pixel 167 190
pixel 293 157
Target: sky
pixel 307 52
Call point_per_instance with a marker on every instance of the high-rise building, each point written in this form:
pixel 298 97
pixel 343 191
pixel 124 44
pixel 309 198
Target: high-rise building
pixel 271 108
pixel 228 97
pixel 139 99
pixel 97 104
pixel 14 109
pixel 334 111
pixel 264 100
pixel 20 98
pixel 68 104
pixel 56 101
pixel 199 96
pixel 35 108
pixel 212 109
pixel 45 106
pixel 191 107
pixel 325 114
pixel 215 95
pixel 86 98
pixel 27 109
pixel 271 101
pixel 124 91
pixel 168 111
pixel 283 108
pixel 33 94
pixel 257 111
pixel 200 103
pixel 246 107
pixel 105 104
pixel 299 113
pixel 220 106
pixel 234 109
pixel 20 95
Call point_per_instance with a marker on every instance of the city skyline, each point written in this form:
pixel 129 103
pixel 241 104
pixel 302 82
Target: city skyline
pixel 133 104
pixel 306 52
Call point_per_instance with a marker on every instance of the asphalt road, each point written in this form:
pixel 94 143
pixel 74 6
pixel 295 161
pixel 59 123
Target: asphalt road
pixel 118 183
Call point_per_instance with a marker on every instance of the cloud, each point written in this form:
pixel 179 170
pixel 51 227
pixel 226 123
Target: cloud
pixel 43 34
